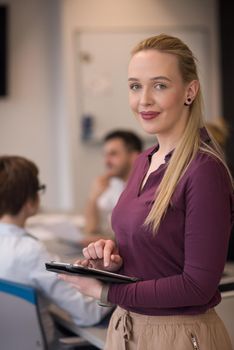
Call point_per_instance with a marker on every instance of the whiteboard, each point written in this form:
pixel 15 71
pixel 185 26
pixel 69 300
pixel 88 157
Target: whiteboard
pixel 102 62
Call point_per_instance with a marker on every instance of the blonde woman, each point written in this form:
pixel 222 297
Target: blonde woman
pixel 173 221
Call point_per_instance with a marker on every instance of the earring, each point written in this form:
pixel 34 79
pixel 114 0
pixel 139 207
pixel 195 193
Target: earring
pixel 188 101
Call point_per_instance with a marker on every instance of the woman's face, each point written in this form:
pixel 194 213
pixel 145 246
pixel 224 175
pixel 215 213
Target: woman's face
pixel 157 92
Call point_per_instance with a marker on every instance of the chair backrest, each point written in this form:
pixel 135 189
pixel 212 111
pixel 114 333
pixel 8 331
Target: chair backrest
pixel 20 325
pixel 225 311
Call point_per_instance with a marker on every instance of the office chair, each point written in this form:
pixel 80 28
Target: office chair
pixel 225 309
pixel 20 323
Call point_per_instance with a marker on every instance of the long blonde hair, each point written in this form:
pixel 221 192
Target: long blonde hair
pixel 190 142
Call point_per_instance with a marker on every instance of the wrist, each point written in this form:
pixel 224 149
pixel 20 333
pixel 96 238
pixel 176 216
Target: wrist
pixel 94 289
pixel 103 301
pixel 98 292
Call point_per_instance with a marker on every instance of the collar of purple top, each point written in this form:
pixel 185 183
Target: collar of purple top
pixel 204 138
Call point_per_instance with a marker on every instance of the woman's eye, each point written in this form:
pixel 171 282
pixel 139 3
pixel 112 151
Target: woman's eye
pixel 160 86
pixel 134 87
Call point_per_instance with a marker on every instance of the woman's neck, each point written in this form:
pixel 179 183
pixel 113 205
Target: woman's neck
pixel 168 141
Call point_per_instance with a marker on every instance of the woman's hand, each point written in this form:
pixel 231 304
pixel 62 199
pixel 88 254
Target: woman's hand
pixel 87 286
pixel 103 255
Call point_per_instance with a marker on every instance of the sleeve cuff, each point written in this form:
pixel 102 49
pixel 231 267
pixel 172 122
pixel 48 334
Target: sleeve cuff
pixel 104 297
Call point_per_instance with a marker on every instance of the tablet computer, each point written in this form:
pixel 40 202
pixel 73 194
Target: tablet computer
pixel 75 269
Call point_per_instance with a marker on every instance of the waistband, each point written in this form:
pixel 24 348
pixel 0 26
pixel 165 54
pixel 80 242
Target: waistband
pixel 209 315
pixel 125 319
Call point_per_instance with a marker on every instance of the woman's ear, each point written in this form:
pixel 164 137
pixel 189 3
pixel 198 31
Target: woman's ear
pixel 191 92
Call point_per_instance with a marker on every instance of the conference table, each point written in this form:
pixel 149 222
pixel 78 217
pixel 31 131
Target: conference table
pixel 95 335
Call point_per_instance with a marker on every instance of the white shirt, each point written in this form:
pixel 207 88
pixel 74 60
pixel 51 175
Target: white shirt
pixel 107 201
pixel 22 260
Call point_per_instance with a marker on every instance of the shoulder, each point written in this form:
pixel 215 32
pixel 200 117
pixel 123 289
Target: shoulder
pixel 24 250
pixel 205 162
pixel 207 170
pixel 32 241
pixel 33 249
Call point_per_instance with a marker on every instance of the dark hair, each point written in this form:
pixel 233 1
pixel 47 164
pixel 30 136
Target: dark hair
pixel 18 183
pixel 130 139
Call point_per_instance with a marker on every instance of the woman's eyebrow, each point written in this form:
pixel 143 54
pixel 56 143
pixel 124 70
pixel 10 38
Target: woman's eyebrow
pixel 133 79
pixel 161 77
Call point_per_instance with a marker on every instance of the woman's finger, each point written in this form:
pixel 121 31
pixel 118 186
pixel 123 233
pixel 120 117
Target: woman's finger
pixel 99 246
pixel 86 254
pixel 83 262
pixel 92 251
pixel 78 262
pixel 115 258
pixel 107 252
pixel 89 252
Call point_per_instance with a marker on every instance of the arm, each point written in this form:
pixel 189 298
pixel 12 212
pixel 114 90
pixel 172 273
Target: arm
pixel 207 228
pixel 92 220
pixel 91 216
pixel 84 310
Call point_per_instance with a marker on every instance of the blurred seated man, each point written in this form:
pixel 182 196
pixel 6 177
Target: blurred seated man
pixel 23 257
pixel 121 148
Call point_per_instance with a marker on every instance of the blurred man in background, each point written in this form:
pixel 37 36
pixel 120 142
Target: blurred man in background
pixel 121 148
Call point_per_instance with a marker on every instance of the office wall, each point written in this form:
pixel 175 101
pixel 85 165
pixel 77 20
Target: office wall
pixel 39 118
pixel 27 114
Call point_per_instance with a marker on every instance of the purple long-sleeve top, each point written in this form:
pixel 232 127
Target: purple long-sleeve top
pixel 181 266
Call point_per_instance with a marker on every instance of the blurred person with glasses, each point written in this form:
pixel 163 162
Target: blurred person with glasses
pixel 22 256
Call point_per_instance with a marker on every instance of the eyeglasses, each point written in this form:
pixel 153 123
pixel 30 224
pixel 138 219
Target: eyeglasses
pixel 41 188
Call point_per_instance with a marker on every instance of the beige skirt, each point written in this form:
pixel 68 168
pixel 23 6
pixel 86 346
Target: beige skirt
pixel 132 331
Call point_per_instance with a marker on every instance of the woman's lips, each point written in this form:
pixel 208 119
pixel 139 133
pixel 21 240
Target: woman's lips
pixel 149 115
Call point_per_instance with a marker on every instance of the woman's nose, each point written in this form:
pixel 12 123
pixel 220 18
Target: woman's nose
pixel 146 98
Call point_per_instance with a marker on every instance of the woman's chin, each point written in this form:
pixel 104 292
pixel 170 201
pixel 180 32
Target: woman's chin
pixel 150 130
